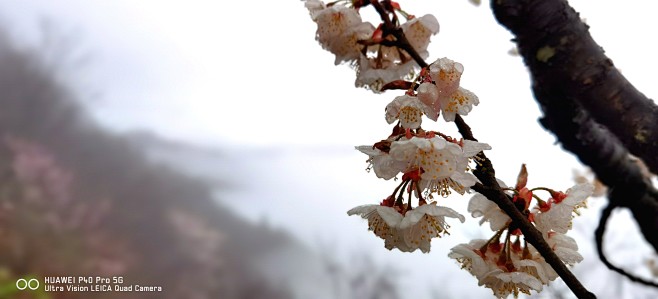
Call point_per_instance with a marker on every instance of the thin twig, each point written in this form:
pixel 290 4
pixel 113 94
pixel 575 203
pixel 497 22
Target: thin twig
pixel 486 174
pixel 600 231
pixel 401 39
pixel 490 188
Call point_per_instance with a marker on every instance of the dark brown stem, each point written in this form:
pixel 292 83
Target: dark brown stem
pixel 401 39
pixel 600 231
pixel 487 175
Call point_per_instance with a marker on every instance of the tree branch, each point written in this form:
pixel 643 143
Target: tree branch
pixel 596 147
pixel 600 231
pixel 576 87
pixel 490 188
pixel 559 88
pixel 486 174
pixel 401 39
pixel 562 56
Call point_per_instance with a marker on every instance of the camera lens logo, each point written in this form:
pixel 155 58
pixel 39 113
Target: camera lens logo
pixel 31 284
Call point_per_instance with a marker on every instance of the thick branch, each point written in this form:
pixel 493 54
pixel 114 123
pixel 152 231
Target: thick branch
pixel 562 57
pixel 596 147
pixel 569 72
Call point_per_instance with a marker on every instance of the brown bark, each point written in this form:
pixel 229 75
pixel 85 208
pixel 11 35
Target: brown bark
pixel 562 56
pixel 592 109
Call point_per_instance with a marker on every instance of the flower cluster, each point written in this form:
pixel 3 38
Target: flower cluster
pixel 371 50
pixel 441 90
pixel 406 230
pixel 438 92
pixel 429 162
pixel 434 163
pixel 510 265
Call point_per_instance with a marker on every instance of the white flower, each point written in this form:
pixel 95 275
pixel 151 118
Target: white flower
pixel 446 74
pixel 420 225
pixel 418 32
pixel 339 29
pixel 442 164
pixel 428 94
pixel 333 22
pixel 314 7
pixel 505 283
pixel 380 64
pixel 565 247
pixel 480 206
pixel 460 102
pixel 396 240
pixel 436 156
pixel 408 109
pixel 504 268
pixel 471 259
pixel 384 166
pixel 451 98
pixel 523 274
pixel 460 180
pixel 472 148
pixel 560 210
pixel 413 231
pixel 374 73
pixel 346 48
pixel 537 268
pixel 382 220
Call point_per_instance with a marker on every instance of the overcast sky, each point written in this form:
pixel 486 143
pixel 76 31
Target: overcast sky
pixel 231 73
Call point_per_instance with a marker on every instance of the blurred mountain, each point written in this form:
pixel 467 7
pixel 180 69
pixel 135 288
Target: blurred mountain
pixel 77 200
pixel 151 224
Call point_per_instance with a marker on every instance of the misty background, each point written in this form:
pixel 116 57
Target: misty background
pixel 208 148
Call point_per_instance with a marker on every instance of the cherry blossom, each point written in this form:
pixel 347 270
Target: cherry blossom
pixel 439 163
pixel 431 162
pixel 314 7
pixel 510 265
pixel 428 94
pixel 382 220
pixel 418 32
pixel 420 225
pixel 406 229
pixel 505 283
pixel 446 74
pixel 382 163
pixel 565 247
pixel 480 206
pixel 339 30
pixel 376 71
pixel 471 258
pixel 442 164
pixel 408 110
pixel 370 50
pixel 557 214
pixel 448 96
pixel 502 268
